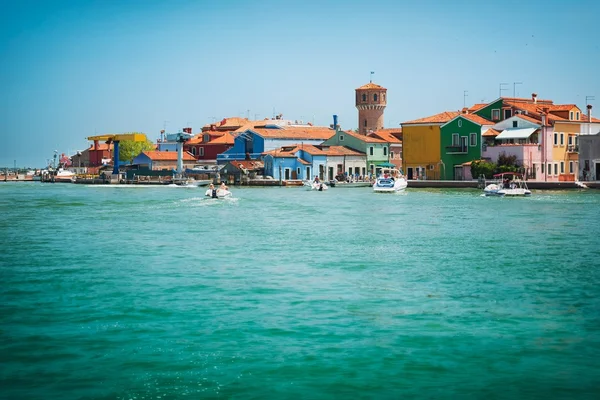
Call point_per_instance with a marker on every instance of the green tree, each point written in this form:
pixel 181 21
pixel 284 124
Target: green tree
pixel 128 149
pixel 482 167
pixel 507 163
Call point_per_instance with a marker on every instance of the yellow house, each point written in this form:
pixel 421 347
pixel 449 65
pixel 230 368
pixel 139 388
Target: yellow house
pixel 564 161
pixel 421 145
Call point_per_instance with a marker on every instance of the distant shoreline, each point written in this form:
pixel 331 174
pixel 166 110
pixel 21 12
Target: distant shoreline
pixel 412 184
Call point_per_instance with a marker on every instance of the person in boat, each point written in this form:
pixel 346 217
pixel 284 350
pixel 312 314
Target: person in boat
pixel 212 192
pixel 223 186
pixel 316 179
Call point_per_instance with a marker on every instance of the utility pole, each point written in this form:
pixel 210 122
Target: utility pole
pixel 515 88
pixel 465 95
pixel 502 88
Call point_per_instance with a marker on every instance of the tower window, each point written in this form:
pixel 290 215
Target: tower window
pixel 365 122
pixel 364 97
pixel 375 97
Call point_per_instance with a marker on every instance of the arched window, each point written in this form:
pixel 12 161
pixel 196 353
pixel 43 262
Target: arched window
pixel 193 151
pixel 365 122
pixel 385 151
pixel 384 97
pixel 364 97
pixel 375 97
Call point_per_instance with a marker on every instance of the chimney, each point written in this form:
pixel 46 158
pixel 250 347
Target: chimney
pixel 465 110
pixel 534 97
pixel 589 108
pixel 96 142
pixel 335 122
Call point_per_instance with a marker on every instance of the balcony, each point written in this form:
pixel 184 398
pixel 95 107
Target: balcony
pixel 572 148
pixel 457 149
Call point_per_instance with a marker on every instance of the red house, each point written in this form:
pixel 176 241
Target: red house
pixel 208 144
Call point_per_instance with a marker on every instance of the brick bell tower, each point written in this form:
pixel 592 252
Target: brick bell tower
pixel 370 102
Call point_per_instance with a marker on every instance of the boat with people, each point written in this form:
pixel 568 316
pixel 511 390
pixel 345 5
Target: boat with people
pixel 222 192
pixel 317 185
pixel 349 183
pixel 509 184
pixel 390 180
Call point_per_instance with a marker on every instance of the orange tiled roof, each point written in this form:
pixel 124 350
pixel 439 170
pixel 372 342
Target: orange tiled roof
pixel 477 119
pixel 386 135
pixel 310 149
pixel 371 85
pixel 282 152
pixel 226 138
pixel 342 151
pixel 316 133
pixel 440 118
pixel 167 156
pixel 364 138
pixel 391 130
pixel 528 118
pixel 562 107
pixel 527 100
pixel 477 106
pixel 491 133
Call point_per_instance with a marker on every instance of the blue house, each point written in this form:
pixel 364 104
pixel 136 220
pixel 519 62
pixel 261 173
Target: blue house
pixel 252 143
pixel 297 161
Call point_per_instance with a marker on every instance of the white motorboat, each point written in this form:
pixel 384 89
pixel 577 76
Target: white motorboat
pixel 218 193
pixel 315 185
pixel 349 184
pixel 508 184
pixel 390 180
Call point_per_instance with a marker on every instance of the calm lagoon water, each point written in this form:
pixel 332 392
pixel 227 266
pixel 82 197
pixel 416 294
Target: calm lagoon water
pixel 157 292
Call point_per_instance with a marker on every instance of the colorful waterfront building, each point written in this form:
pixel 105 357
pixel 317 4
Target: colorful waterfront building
pixel 285 163
pixel 436 147
pixel 393 136
pixel 207 145
pixel 517 136
pixel 162 160
pixel 376 150
pixel 253 142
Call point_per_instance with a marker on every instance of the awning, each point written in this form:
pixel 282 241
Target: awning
pixel 516 133
pixel 386 165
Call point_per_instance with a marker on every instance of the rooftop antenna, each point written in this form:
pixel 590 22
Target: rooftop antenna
pixel 515 88
pixel 247 114
pixel 502 88
pixel 589 98
pixel 256 116
pixel 465 95
pixel 371 80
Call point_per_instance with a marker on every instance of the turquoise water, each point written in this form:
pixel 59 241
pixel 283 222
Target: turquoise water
pixel 157 292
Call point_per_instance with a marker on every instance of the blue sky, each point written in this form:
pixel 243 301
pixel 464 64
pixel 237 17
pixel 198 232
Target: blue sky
pixel 71 69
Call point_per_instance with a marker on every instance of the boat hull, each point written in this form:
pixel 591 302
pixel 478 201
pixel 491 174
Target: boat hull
pixel 389 186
